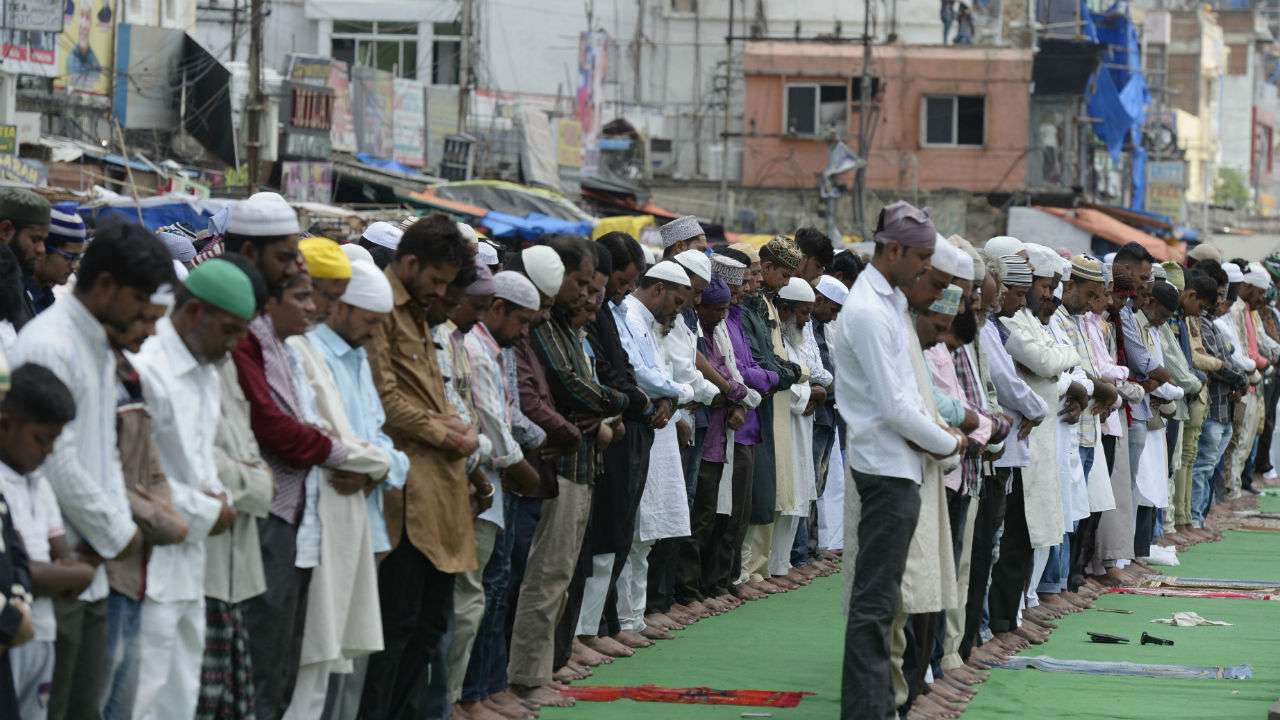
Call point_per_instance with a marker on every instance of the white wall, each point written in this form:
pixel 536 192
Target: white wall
pixel 1236 122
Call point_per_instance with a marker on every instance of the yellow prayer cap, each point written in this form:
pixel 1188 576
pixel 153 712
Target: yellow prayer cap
pixel 325 258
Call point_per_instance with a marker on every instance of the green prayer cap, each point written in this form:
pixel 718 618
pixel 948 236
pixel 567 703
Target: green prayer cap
pixel 1174 275
pixel 23 207
pixel 223 286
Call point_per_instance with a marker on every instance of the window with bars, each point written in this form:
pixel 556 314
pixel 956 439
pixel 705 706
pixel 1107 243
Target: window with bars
pixel 390 46
pixel 813 109
pixel 952 120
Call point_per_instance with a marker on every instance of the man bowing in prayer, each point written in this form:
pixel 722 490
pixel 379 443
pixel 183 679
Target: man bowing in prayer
pixel 890 431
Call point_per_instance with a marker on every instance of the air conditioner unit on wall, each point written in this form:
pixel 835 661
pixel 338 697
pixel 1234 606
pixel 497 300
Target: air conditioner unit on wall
pixel 662 157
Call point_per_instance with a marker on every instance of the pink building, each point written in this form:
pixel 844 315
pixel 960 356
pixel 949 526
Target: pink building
pixel 950 117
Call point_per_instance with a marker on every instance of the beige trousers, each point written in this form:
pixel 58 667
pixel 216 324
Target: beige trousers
pixel 544 591
pixel 468 608
pixel 955 616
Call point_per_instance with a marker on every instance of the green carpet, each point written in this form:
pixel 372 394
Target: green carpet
pixel 795 642
pixel 1269 501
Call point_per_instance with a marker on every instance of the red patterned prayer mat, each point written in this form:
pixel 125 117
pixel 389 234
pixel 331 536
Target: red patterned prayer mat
pixel 688 696
pixel 1184 593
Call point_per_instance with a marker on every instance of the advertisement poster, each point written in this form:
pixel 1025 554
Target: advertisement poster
pixel 30 53
pixel 1166 184
pixel 593 62
pixel 410 124
pixel 569 143
pixel 8 139
pixel 374 99
pixel 33 15
pixel 343 131
pixel 84 48
pixel 307 181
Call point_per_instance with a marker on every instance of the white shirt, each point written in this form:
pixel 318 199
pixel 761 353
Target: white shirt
pixel 681 344
pixel 181 395
pixel 84 469
pixel 35 515
pixel 651 365
pixel 874 389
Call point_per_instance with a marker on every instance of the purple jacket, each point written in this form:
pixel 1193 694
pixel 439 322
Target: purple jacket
pixel 755 377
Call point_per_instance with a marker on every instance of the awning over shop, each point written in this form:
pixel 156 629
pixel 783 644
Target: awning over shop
pixel 1110 230
pixel 633 225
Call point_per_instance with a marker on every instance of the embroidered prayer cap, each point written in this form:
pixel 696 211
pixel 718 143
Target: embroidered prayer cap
pixel 544 268
pixel 369 288
pixel 1002 245
pixel 671 272
pixel 483 284
pixel 1234 274
pixel 325 260
pixel 905 224
pixel 1044 262
pixel 732 271
pixel 784 251
pixel 469 233
pixel 797 290
pixel 179 246
pixel 264 214
pixel 487 253
pixel 224 286
pixel 355 253
pixel 948 303
pixel 1087 267
pixel 1205 251
pixel 69 228
pixel 1175 275
pixel 1017 271
pixel 832 289
pixel 717 292
pixel 695 262
pixel 1258 278
pixel 747 249
pixel 1158 273
pixel 682 228
pixel 23 207
pixel 383 234
pixel 979 267
pixel 952 260
pixel 516 289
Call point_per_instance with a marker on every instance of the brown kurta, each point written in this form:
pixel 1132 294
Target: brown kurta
pixel 434 509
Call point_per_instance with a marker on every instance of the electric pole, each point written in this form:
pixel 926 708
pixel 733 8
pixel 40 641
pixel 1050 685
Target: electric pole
pixel 464 65
pixel 253 108
pixel 864 105
pixel 722 198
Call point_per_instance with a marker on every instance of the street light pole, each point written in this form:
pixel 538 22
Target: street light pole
pixel 864 94
pixel 253 108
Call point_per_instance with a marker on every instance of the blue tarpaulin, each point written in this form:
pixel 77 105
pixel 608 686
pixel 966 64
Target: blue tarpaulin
pixel 153 216
pixel 532 226
pixel 383 164
pixel 1120 96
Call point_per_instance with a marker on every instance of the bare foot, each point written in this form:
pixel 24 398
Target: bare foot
pixel 542 696
pixel 632 640
pixel 746 593
pixel 1032 636
pixel 939 708
pixel 948 693
pixel 798 577
pixel 609 647
pixel 730 600
pixel 459 712
pixel 1011 640
pixel 566 675
pixel 967 675
pixel 655 633
pixel 765 587
pixel 584 655
pixel 510 700
pixel 481 711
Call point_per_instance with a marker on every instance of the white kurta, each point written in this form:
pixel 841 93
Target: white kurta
pixel 1041 359
pixel 804 477
pixel 831 504
pixel 664 506
pixel 343 616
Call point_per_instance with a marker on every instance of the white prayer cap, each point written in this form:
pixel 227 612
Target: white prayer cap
pixel 517 289
pixel 1057 291
pixel 1158 273
pixel 544 268
pixel 1109 258
pixel 368 288
pixel 952 260
pixel 671 272
pixel 1258 279
pixel 469 233
pixel 356 254
pixel 1233 273
pixel 695 262
pixel 383 234
pixel 979 265
pixel 1002 245
pixel 180 271
pixel 264 214
pixel 797 290
pixel 1044 262
pixel 487 253
pixel 832 289
pixel 682 228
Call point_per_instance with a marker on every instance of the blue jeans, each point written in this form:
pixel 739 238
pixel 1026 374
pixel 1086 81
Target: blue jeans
pixel 1214 437
pixel 124 625
pixel 487 669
